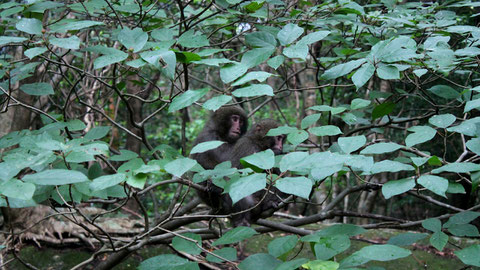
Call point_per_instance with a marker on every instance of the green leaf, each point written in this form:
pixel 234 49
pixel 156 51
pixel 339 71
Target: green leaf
pixel 420 72
pixel 97 133
pixel 180 166
pixel 191 40
pixel 72 42
pixel 55 177
pixel 439 240
pixel 107 181
pixel 359 103
pixel 455 188
pixel 281 130
pixel 329 246
pixel 70 24
pixel 29 26
pixel 40 7
pixel 326 108
pixel 263 160
pixel 327 130
pixel 31 53
pixel 231 72
pixel 342 69
pixel 289 33
pixel 110 56
pixel 297 137
pixel 382 110
pixel 471 104
pixel 5 40
pixel 469 255
pixel 186 99
pixel 313 37
pixel 381 148
pixel 420 134
pixel 282 245
pixel 133 39
pixel 255 57
pixel 261 39
pixel 435 184
pixel 458 167
pixel 228 253
pixel 244 186
pixel 406 239
pixel 215 103
pixel 310 120
pixel 321 265
pixel 162 34
pixel 462 230
pixel 396 187
pixel 390 166
pixel 363 74
pixel 260 76
pixel 442 120
pixel 320 173
pixel 254 90
pixel 187 246
pixel 259 261
pixel 296 51
pixel 37 89
pixel 167 262
pixel 235 235
pixel 17 189
pixel 205 146
pixel 124 155
pixel 292 161
pixel 293 264
pixel 383 253
pixel 461 218
pixel 444 91
pixel 276 61
pixel 299 186
pixel 351 144
pixel 388 72
pixel 347 229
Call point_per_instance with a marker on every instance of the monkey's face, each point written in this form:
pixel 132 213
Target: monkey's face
pixel 276 144
pixel 236 124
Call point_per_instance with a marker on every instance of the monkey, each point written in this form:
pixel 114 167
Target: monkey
pixel 226 124
pixel 255 140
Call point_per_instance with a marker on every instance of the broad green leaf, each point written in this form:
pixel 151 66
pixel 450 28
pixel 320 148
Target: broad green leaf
pixel 31 53
pixel 282 245
pixel 55 177
pixel 5 40
pixel 326 108
pixel 228 253
pixel 406 239
pixel 215 103
pixel 462 230
pixel 254 90
pixel 461 218
pixel 187 57
pixel 260 76
pixel 187 246
pixel 390 166
pixel 467 127
pixel 458 167
pixel 75 125
pixel 321 265
pixel 261 39
pixel 124 155
pixel 388 72
pixel 70 24
pixel 296 51
pixel 37 89
pixel 107 181
pixel 244 186
pixel 186 99
pixel 255 57
pixel 29 26
pixel 329 246
pixel 14 188
pixel 381 148
pixel 97 133
pixel 281 130
pixel 87 152
pixel 231 72
pixel 163 59
pixel 468 51
pixel 439 240
pixel 435 184
pixel 72 42
pixel 442 120
pixel 396 187
pixel 276 61
pixel 190 39
pixel 205 146
pixel 137 63
pixel 263 160
pixel 259 261
pixel 298 186
pixel 297 137
pixel 351 144
pixel 420 134
pixel 455 188
pixel 11 11
pixel 363 74
pixel 167 262
pixel 235 235
pixel 289 33
pixel 320 173
pixel 41 6
pixel 347 229
pixel 110 56
pixel 293 264
pixel 342 69
pixel 444 91
pixel 359 103
pixel 327 130
pixel 382 110
pixel 180 166
pixel 133 39
pixel 313 37
pixel 310 120
pixel 472 104
pixel 469 255
pixel 292 161
pixel 360 162
pixel 420 72
pixel 383 253
pixel 162 34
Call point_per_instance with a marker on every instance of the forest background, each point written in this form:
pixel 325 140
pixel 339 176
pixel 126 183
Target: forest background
pixel 101 101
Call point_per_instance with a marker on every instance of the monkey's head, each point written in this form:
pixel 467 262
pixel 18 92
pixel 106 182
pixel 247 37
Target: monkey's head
pixel 259 133
pixel 230 123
